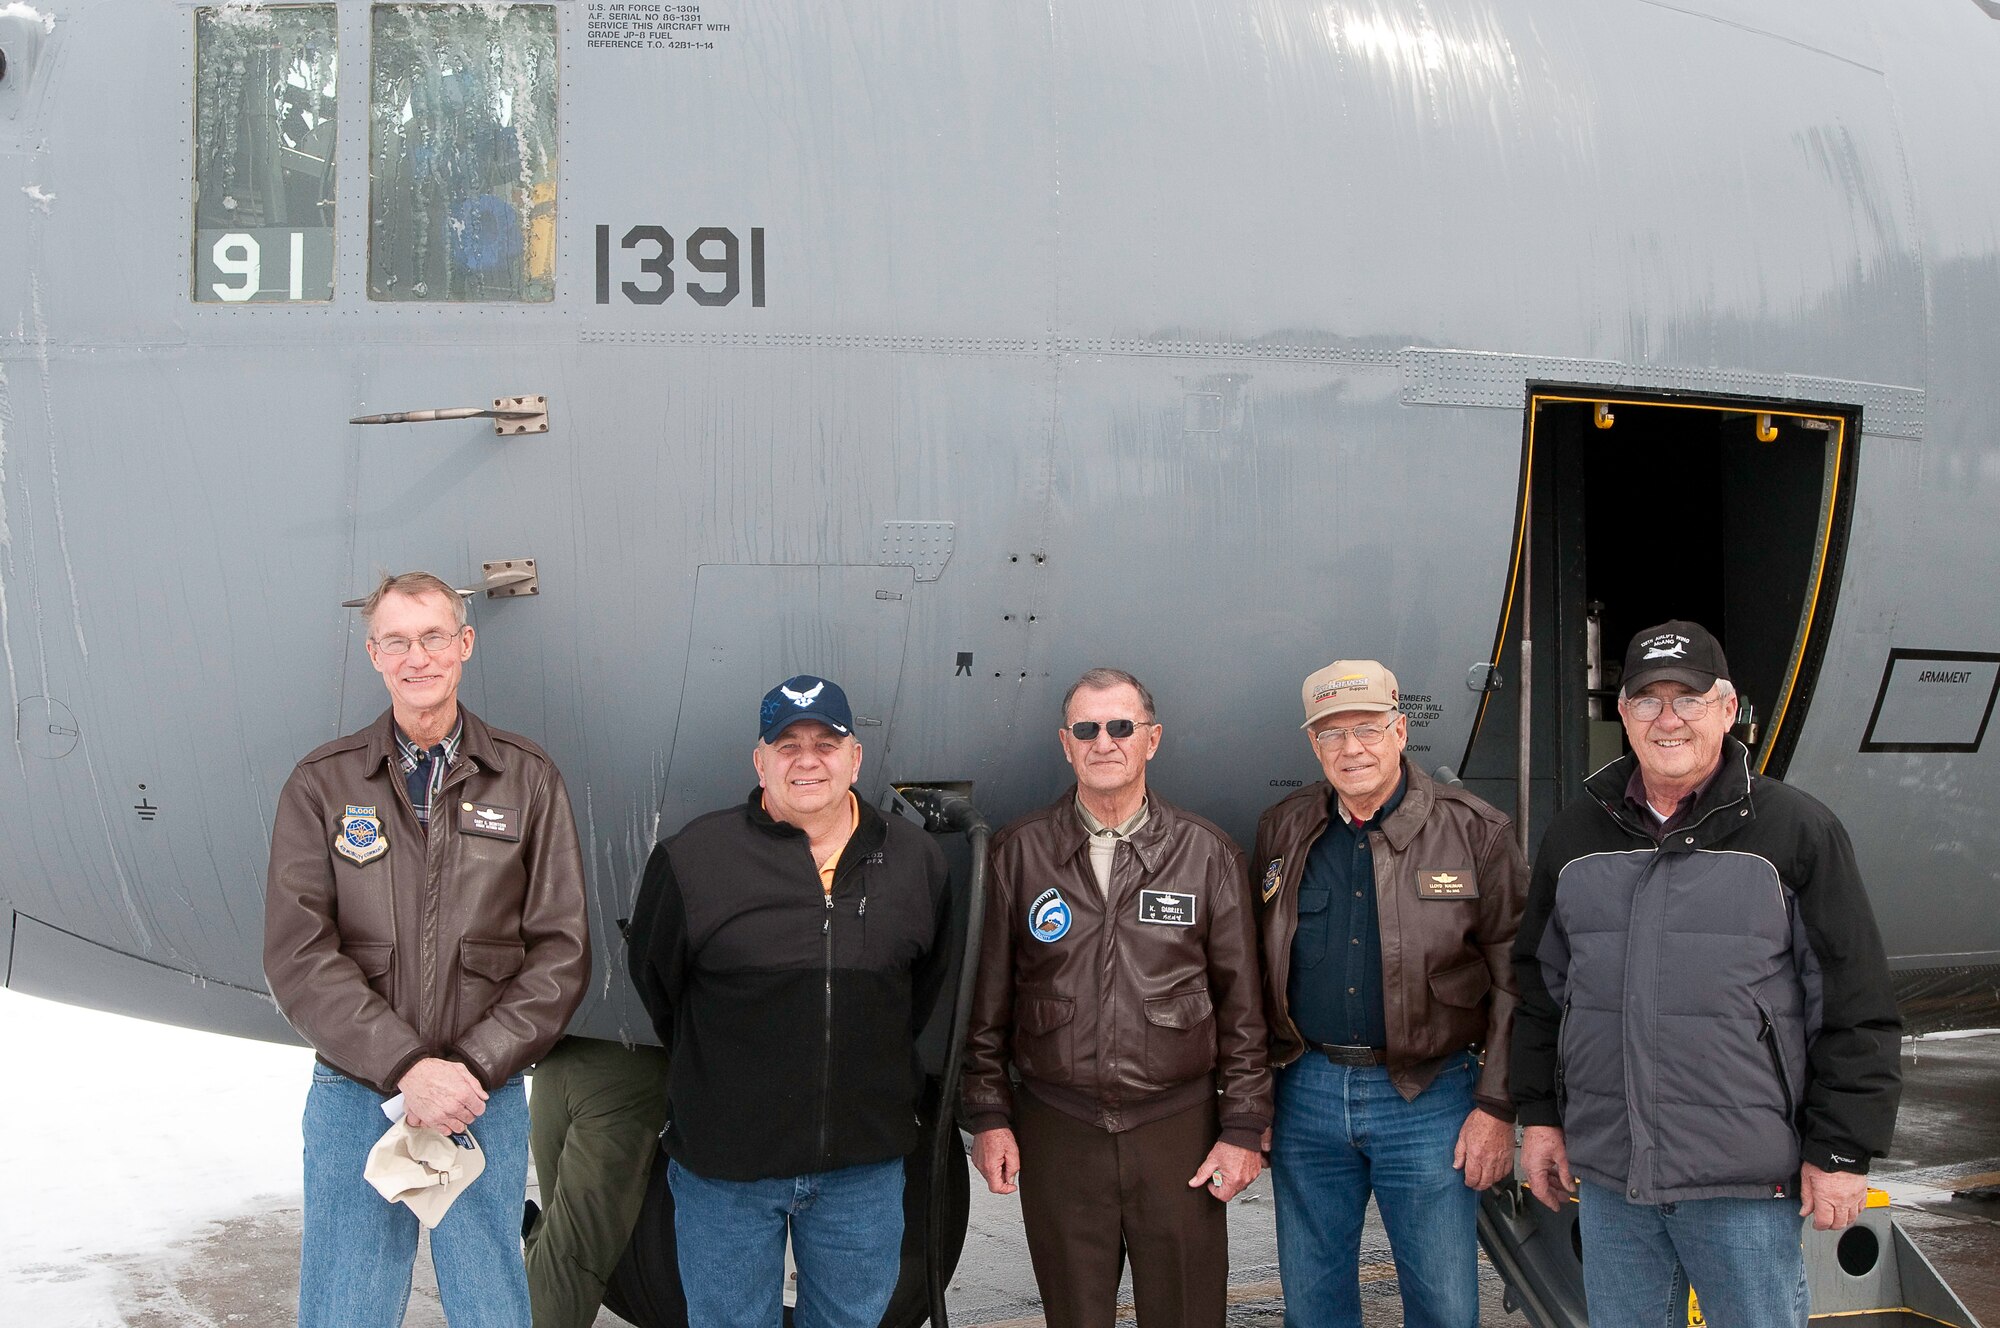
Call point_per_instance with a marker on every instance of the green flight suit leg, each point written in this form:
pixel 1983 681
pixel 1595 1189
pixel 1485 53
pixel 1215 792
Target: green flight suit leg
pixel 595 1118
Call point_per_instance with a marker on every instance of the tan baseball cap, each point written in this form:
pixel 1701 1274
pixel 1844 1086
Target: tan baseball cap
pixel 419 1166
pixel 1349 684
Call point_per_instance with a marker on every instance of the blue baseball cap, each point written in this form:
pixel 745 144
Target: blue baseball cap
pixel 803 697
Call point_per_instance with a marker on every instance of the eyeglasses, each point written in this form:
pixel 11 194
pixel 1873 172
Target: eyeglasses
pixel 1367 734
pixel 432 642
pixel 1646 709
pixel 1085 730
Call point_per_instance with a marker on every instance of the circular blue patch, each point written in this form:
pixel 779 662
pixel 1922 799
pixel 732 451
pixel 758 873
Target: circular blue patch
pixel 1048 916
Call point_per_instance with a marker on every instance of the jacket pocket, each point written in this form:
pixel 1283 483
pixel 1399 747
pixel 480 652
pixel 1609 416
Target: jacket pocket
pixel 484 969
pixel 1464 987
pixel 1042 1037
pixel 377 961
pixel 1180 1037
pixel 1767 1033
pixel 1309 938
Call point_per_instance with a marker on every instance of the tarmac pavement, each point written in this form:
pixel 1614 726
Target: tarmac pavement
pixel 244 1271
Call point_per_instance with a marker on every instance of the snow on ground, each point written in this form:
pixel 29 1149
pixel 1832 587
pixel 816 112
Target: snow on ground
pixel 119 1138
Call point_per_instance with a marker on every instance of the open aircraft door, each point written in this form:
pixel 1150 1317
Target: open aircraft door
pixel 1636 508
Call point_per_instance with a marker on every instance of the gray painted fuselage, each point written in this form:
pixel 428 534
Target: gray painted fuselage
pixel 1191 339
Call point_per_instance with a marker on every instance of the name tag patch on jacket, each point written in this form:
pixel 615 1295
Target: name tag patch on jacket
pixel 1048 916
pixel 1459 884
pixel 1166 908
pixel 360 840
pixel 1274 876
pixel 489 820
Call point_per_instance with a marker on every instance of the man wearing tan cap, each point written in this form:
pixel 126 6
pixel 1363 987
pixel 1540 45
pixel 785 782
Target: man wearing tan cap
pixel 1387 905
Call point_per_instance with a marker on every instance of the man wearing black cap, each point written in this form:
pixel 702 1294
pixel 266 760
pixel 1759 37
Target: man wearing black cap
pixel 789 949
pixel 1706 1039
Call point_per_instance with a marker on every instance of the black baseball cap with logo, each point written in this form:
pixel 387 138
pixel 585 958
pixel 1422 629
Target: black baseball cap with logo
pixel 1676 651
pixel 803 697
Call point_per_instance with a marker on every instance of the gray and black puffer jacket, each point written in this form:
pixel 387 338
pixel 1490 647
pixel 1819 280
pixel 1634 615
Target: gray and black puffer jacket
pixel 1699 1014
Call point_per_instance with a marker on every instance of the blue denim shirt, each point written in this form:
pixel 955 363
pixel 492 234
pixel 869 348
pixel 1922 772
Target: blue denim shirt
pixel 1335 990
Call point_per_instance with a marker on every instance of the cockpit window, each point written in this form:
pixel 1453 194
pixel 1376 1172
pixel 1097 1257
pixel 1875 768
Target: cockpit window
pixel 463 154
pixel 263 161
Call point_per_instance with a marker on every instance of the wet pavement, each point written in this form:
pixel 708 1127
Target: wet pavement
pixel 1948 1139
pixel 995 1287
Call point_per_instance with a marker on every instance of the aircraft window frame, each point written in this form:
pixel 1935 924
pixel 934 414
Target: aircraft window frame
pixel 240 179
pixel 485 98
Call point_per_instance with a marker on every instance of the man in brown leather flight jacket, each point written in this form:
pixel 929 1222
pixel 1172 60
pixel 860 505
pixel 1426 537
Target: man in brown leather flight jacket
pixel 1118 976
pixel 1387 908
pixel 425 930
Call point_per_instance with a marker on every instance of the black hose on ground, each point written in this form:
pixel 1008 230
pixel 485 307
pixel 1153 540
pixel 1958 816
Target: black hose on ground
pixel 947 811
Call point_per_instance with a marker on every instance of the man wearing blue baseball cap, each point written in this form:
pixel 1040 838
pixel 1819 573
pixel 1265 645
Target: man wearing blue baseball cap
pixel 789 949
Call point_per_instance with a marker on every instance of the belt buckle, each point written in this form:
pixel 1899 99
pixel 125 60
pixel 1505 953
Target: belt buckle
pixel 1348 1055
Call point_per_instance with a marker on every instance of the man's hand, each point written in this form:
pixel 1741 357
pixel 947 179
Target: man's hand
pixel 1227 1170
pixel 997 1157
pixel 442 1095
pixel 1546 1160
pixel 1834 1198
pixel 1485 1149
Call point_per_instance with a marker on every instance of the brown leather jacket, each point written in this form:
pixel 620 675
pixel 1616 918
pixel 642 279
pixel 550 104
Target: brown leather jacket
pixel 471 943
pixel 1450 883
pixel 1119 1014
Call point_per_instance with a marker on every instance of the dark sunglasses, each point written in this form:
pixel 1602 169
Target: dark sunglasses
pixel 1085 730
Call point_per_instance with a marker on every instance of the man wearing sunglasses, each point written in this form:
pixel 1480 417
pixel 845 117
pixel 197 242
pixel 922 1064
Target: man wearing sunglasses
pixel 1118 977
pixel 1387 906
pixel 1707 1037
pixel 425 929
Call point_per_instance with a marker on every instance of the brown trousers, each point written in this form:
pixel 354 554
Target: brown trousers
pixel 1089 1197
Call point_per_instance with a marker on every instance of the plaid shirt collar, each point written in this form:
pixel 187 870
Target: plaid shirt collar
pixel 409 757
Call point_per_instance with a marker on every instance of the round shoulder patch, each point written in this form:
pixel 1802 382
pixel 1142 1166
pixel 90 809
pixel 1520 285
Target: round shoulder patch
pixel 1048 916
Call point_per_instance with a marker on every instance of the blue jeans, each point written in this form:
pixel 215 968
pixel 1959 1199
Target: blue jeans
pixel 1742 1255
pixel 359 1250
pixel 847 1238
pixel 1342 1131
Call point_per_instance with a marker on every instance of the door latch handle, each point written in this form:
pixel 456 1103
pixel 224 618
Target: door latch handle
pixel 506 579
pixel 510 415
pixel 502 579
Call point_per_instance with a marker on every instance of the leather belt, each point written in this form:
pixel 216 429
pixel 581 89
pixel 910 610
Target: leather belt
pixel 1340 1055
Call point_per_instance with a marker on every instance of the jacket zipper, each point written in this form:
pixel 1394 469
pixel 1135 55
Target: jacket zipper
pixel 1562 1077
pixel 442 846
pixel 826 1054
pixel 427 911
pixel 1768 1035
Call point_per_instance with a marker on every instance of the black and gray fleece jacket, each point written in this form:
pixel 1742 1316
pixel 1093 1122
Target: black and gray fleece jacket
pixel 790 1017
pixel 1700 1013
